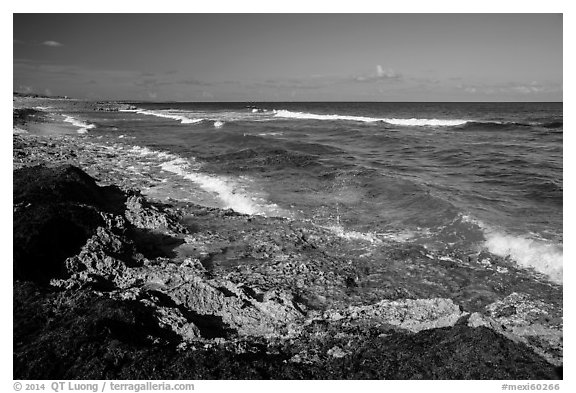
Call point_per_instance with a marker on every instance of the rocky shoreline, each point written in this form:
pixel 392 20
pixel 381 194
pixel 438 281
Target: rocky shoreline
pixel 112 284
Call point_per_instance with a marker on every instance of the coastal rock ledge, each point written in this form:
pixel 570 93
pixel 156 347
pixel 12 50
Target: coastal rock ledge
pixel 109 285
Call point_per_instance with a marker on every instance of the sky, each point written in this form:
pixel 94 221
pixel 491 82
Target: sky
pixel 290 57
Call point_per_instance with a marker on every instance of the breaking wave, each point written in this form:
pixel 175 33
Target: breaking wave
pixel 83 127
pixel 418 122
pixel 542 256
pixel 165 114
pixel 395 121
pixel 231 193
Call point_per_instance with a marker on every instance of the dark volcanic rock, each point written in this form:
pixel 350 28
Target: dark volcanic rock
pixel 98 338
pixel 62 184
pixel 24 115
pixel 55 211
pixel 68 333
pixel 45 235
pixel 143 215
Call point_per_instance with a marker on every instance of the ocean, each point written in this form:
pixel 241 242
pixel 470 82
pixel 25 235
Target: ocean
pixel 465 176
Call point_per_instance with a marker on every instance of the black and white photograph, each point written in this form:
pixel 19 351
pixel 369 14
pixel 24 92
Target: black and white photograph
pixel 287 196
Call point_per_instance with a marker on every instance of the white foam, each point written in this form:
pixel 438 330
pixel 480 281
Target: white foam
pixel 395 121
pixel 399 236
pixel 218 124
pixel 312 116
pixel 229 192
pixel 143 151
pixel 541 256
pixel 426 122
pixel 527 251
pixel 352 235
pixel 83 127
pixel 165 114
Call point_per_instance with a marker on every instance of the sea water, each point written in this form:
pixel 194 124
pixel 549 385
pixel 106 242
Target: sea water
pixel 470 176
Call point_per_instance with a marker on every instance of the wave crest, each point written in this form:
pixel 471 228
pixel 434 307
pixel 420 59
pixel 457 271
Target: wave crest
pixel 231 193
pixel 542 256
pixel 394 121
pixel 83 126
pixel 165 114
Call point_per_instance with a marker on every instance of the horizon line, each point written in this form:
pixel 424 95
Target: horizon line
pixel 128 100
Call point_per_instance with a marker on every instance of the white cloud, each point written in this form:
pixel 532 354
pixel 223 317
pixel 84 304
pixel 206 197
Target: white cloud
pixel 381 74
pixel 385 73
pixel 24 89
pixel 52 43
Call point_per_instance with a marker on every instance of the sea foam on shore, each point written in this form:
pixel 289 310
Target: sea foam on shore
pixel 83 126
pixel 231 193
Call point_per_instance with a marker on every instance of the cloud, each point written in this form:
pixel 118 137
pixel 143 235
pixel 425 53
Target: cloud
pixel 24 89
pixel 54 44
pixel 309 82
pixel 50 43
pixel 290 83
pixel 381 74
pixel 388 73
pixel 40 73
pixel 511 88
pixel 156 82
pixel 193 82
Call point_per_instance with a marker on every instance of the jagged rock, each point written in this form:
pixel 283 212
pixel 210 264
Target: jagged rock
pixel 524 320
pixel 21 116
pixel 105 254
pixel 172 319
pixel 55 331
pixel 408 314
pixel 99 338
pixel 336 352
pixel 56 209
pixel 146 216
pixel 62 184
pixel 238 310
